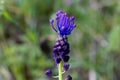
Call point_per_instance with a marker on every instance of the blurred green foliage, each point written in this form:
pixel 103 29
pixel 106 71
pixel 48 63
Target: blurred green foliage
pixel 26 38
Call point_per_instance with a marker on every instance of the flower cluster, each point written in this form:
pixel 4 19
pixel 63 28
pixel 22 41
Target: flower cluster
pixel 61 50
pixel 64 26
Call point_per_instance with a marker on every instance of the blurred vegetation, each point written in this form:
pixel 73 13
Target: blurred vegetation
pixel 26 38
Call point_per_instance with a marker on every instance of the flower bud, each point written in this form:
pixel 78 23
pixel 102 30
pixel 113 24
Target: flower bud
pixel 49 73
pixel 66 66
pixel 68 77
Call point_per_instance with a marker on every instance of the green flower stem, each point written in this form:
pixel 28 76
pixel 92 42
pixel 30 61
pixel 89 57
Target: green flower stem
pixel 60 70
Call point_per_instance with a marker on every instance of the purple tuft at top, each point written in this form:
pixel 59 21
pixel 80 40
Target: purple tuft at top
pixel 64 23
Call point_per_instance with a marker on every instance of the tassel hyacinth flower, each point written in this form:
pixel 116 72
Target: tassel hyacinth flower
pixel 64 26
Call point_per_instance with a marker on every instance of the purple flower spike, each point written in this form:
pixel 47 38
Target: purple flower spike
pixel 68 77
pixel 64 23
pixel 66 66
pixel 49 73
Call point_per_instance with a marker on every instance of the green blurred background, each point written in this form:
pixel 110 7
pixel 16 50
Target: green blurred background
pixel 26 39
